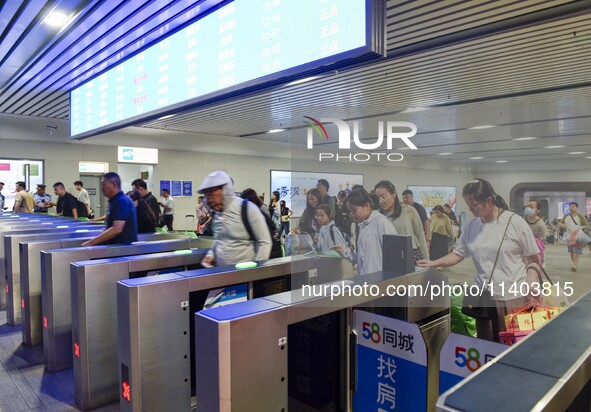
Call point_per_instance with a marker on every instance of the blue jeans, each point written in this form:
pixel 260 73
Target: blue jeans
pixel 284 227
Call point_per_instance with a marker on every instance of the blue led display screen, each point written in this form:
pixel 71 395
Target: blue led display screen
pixel 242 41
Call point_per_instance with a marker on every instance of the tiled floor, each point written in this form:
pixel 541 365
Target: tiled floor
pixel 25 386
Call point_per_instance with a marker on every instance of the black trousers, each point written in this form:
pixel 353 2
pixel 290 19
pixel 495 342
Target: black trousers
pixel 168 221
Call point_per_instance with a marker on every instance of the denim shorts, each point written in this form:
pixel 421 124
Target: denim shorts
pixel 572 249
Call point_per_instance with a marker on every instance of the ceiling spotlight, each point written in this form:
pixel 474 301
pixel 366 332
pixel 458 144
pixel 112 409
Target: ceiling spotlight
pixel 553 147
pixel 276 130
pixel 51 129
pixel 414 109
pixel 166 117
pixel 476 158
pixel 56 19
pixel 484 126
pixel 501 161
pixel 525 138
pixel 304 80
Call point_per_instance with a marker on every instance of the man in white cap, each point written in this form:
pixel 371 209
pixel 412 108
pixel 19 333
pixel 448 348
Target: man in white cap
pixel 232 241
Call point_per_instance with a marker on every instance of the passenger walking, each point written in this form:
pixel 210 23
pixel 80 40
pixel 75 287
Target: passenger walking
pixel 203 217
pixel 499 243
pixel 285 216
pixel 83 196
pixel 441 232
pixel 323 187
pixel 405 218
pixel 536 224
pixel 572 223
pixel 67 205
pixel 121 215
pixel 232 242
pixel 408 199
pixel 308 223
pixel 23 202
pixel 274 211
pixel 142 187
pixel 372 226
pixel 329 236
pixel 146 220
pixel 168 208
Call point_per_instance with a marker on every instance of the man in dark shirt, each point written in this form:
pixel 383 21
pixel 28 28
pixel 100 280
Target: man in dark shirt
pixel 148 197
pixel 67 205
pixel 121 217
pixel 408 199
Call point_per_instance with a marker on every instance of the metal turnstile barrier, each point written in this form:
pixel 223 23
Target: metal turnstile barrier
pixel 26 227
pixel 241 350
pixel 154 318
pixel 94 317
pixel 549 371
pixel 30 267
pixel 14 298
pixel 56 299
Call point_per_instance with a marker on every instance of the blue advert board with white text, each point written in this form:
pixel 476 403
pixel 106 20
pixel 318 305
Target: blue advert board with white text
pixel 391 365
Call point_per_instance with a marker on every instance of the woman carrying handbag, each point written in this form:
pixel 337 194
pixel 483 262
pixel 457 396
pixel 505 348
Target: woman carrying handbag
pixel 499 243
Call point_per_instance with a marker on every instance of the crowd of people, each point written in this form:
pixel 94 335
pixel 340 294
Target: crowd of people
pixel 502 244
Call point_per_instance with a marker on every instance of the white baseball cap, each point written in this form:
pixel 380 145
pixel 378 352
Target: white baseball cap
pixel 215 179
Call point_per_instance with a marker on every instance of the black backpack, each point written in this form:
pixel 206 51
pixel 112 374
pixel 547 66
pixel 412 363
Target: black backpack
pixel 276 250
pixel 81 208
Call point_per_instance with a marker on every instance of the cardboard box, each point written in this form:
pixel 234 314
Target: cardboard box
pixel 510 338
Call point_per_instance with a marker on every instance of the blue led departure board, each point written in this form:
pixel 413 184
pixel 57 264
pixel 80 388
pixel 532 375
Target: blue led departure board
pixel 244 43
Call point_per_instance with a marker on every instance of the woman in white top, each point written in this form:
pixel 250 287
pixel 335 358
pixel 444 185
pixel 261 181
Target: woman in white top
pixel 481 240
pixel 372 226
pixel 329 236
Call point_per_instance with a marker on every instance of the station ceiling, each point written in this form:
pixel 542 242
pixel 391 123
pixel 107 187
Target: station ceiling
pixel 523 67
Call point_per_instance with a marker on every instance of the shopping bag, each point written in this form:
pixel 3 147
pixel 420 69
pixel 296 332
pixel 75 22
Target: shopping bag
pixel 557 297
pixel 460 323
pixel 579 238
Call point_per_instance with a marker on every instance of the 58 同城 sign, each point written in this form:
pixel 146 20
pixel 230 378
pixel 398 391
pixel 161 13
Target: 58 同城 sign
pixel 391 365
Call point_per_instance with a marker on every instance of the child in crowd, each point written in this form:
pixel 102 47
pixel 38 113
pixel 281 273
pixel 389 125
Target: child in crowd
pixel 329 235
pixel 372 226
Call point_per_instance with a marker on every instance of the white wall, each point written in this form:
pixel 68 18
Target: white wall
pixel 28 137
pixel 503 182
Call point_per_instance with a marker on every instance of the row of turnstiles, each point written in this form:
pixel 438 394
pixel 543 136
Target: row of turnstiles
pixel 130 319
pixel 132 338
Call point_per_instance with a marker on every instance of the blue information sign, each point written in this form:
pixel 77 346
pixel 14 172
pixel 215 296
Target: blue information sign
pixel 176 188
pixel 391 365
pixel 187 188
pixel 164 184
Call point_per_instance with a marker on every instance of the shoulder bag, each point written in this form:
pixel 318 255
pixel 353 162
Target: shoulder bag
pixel 481 306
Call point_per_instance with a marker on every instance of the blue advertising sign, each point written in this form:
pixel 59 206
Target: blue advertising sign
pixel 164 184
pixel 176 188
pixel 463 355
pixel 391 365
pixel 187 188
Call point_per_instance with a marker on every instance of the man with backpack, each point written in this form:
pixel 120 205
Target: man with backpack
pixel 67 205
pixel 232 241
